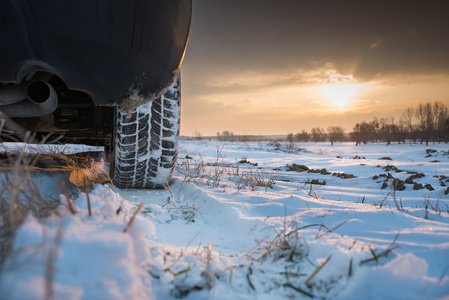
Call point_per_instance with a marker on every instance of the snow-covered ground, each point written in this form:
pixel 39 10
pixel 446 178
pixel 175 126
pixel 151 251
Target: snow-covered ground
pixel 242 221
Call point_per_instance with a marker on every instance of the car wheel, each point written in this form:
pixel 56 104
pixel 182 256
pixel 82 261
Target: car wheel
pixel 145 144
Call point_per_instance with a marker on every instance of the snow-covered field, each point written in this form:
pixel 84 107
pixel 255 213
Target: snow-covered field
pixel 243 221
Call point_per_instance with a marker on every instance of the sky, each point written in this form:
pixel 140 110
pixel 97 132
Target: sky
pixel 274 67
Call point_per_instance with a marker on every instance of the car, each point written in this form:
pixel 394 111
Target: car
pixel 103 73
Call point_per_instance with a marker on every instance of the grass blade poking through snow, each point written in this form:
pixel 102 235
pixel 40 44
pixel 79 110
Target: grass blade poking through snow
pixel 133 217
pixel 248 275
pixel 69 201
pixel 350 267
pixel 317 270
pixel 49 266
pixel 382 254
pixel 298 290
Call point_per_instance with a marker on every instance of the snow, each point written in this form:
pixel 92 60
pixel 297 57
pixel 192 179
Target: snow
pixel 91 258
pixel 218 234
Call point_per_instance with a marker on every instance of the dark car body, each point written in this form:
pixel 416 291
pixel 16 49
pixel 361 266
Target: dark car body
pixel 91 53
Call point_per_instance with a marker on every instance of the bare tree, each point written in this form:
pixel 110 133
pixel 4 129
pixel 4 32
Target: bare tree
pixel 335 134
pixel 318 134
pixel 290 139
pixel 407 117
pixel 302 136
pixel 421 118
pixel 197 135
pixel 361 133
pixel 385 132
pixel 402 131
pixel 374 128
pixel 424 114
pixel 440 114
pixel 227 136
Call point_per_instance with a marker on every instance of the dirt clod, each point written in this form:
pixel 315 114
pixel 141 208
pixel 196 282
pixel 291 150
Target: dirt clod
pixel 297 168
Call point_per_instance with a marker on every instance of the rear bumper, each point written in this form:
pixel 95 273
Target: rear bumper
pixel 107 47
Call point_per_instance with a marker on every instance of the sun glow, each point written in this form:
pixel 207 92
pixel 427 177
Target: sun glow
pixel 341 94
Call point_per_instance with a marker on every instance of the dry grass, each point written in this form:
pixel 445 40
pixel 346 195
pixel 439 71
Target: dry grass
pixel 188 211
pixel 290 249
pixel 133 217
pixel 218 173
pixel 375 257
pixel 252 179
pixel 287 244
pixel 21 191
pixel 438 207
pixel 20 195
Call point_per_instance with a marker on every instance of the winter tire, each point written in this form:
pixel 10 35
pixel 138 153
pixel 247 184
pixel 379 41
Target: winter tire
pixel 145 145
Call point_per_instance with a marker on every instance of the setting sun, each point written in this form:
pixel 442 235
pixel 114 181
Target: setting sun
pixel 340 94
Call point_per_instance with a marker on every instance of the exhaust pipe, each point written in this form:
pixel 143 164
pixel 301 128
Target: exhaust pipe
pixel 40 99
pixel 12 93
pixel 40 92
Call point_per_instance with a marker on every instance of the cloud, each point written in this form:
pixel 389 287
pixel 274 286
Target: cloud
pixel 368 38
pixel 264 59
pixel 250 82
pixel 375 44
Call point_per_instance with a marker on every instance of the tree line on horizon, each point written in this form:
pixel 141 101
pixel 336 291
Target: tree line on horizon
pixel 425 123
